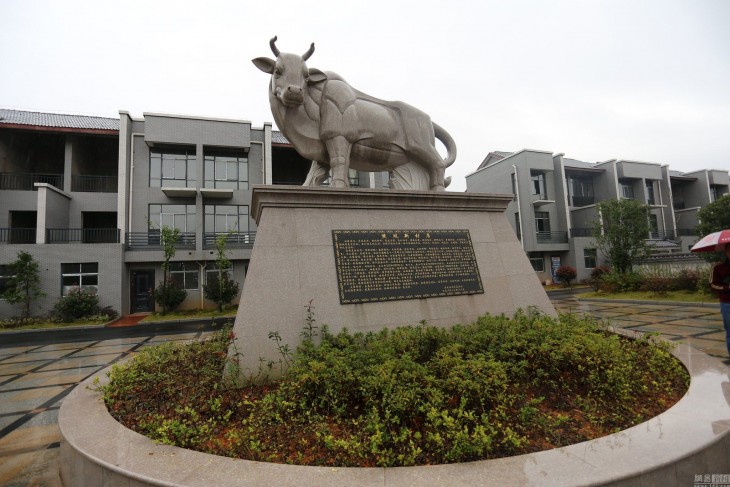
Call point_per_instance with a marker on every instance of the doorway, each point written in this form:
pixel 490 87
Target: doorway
pixel 143 283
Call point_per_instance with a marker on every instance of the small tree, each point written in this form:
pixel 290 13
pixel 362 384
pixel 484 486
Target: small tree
pixel 221 288
pixel 621 230
pixel 168 294
pixel 713 218
pixel 24 285
pixel 566 274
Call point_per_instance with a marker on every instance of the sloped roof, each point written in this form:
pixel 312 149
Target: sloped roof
pixel 278 138
pixel 57 120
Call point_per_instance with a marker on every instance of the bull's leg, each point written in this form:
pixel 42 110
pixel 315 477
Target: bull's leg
pixel 339 151
pixel 317 173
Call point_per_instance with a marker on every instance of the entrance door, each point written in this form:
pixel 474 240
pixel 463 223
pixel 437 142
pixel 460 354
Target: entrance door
pixel 143 283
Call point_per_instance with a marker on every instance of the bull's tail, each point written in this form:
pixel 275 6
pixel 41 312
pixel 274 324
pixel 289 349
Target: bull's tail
pixel 448 142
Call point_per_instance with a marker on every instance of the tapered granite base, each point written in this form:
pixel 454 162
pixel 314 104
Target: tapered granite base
pixel 293 263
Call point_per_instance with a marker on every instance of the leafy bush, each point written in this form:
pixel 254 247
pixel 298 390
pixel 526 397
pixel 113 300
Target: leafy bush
pixel 566 274
pixel 169 295
pixel 613 282
pixel 687 279
pixel 413 395
pixel 221 291
pixel 75 305
pixel 659 285
pixel 596 276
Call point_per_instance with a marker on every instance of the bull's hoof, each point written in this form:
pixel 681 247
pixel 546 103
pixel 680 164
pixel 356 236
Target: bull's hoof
pixel 338 183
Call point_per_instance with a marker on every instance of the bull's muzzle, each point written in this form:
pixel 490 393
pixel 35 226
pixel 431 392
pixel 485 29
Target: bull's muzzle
pixel 292 95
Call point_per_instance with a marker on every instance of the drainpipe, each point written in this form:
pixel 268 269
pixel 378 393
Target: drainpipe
pixel 202 277
pixel 519 210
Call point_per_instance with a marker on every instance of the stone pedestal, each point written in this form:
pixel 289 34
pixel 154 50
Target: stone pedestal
pixel 293 263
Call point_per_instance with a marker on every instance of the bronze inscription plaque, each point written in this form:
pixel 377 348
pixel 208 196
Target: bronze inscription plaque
pixel 392 265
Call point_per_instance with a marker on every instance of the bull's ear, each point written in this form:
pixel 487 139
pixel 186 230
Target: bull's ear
pixel 316 76
pixel 264 64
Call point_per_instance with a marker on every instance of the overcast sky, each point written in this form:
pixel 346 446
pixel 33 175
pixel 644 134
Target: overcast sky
pixel 596 80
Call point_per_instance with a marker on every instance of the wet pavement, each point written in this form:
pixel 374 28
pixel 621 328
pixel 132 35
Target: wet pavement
pixel 34 379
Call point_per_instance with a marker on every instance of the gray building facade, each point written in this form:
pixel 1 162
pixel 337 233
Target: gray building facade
pixel 555 200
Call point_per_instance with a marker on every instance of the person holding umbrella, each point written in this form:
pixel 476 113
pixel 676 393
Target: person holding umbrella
pixel 720 278
pixel 721 283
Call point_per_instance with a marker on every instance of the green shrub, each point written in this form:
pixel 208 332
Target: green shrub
pixel 221 291
pixel 613 282
pixel 169 295
pixel 687 279
pixel 413 395
pixel 75 305
pixel 596 276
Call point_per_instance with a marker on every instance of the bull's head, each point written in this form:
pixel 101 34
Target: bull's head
pixel 290 74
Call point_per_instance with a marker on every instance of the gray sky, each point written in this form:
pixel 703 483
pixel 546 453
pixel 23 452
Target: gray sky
pixel 645 80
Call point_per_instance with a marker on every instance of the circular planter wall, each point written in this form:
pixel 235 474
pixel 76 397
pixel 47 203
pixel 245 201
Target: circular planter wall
pixel 689 439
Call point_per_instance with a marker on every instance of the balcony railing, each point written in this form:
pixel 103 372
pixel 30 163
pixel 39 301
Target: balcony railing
pixel 579 201
pixel 686 232
pixel 17 235
pixel 552 237
pixel 26 181
pixel 667 235
pixel 152 241
pixel 680 205
pixel 581 232
pixel 94 184
pixel 82 235
pixel 241 239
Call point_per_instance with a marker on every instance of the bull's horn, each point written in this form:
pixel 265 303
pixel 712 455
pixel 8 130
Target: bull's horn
pixel 272 43
pixel 309 52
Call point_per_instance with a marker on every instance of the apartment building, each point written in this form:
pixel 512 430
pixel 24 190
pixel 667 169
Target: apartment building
pixel 87 197
pixel 555 199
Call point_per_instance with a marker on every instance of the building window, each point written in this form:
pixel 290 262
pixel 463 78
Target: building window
pixel 184 274
pixel 589 258
pixel 518 227
pixel 212 271
pixel 513 177
pixel 181 217
pixel 627 190
pixel 226 218
pixel 538 184
pixel 226 170
pixel 172 168
pixel 650 192
pixel 542 222
pixel 581 191
pixel 653 225
pixel 84 276
pixel 5 276
pixel 537 261
pixel 354 178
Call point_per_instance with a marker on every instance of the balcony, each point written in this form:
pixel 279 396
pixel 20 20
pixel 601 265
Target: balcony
pixel 17 235
pixel 581 232
pixel 679 205
pixel 667 235
pixel 94 184
pixel 242 239
pixel 686 232
pixel 82 235
pixel 152 241
pixel 26 181
pixel 552 237
pixel 578 201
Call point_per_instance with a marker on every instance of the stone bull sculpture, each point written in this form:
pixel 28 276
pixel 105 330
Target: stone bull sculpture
pixel 338 127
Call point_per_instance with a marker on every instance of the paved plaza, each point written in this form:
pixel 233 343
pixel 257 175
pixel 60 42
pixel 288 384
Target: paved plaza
pixel 34 379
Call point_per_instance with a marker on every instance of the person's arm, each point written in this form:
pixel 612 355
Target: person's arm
pixel 718 275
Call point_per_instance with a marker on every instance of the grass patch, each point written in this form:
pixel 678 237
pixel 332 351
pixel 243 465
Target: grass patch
pixel 192 313
pixel 411 396
pixel 33 325
pixel 684 296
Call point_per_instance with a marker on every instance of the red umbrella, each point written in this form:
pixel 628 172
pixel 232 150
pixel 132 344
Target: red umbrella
pixel 714 242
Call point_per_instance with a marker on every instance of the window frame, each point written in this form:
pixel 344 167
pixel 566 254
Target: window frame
pixel 188 217
pixel 5 276
pixel 214 270
pixel 241 217
pixel 172 156
pixel 540 218
pixel 81 274
pixel 535 258
pixel 174 272
pixel 212 177
pixel 590 253
pixel 539 189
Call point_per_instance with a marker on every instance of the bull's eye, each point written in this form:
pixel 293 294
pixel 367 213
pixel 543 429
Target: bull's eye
pixel 277 71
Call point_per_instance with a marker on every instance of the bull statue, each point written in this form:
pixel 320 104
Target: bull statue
pixel 338 127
